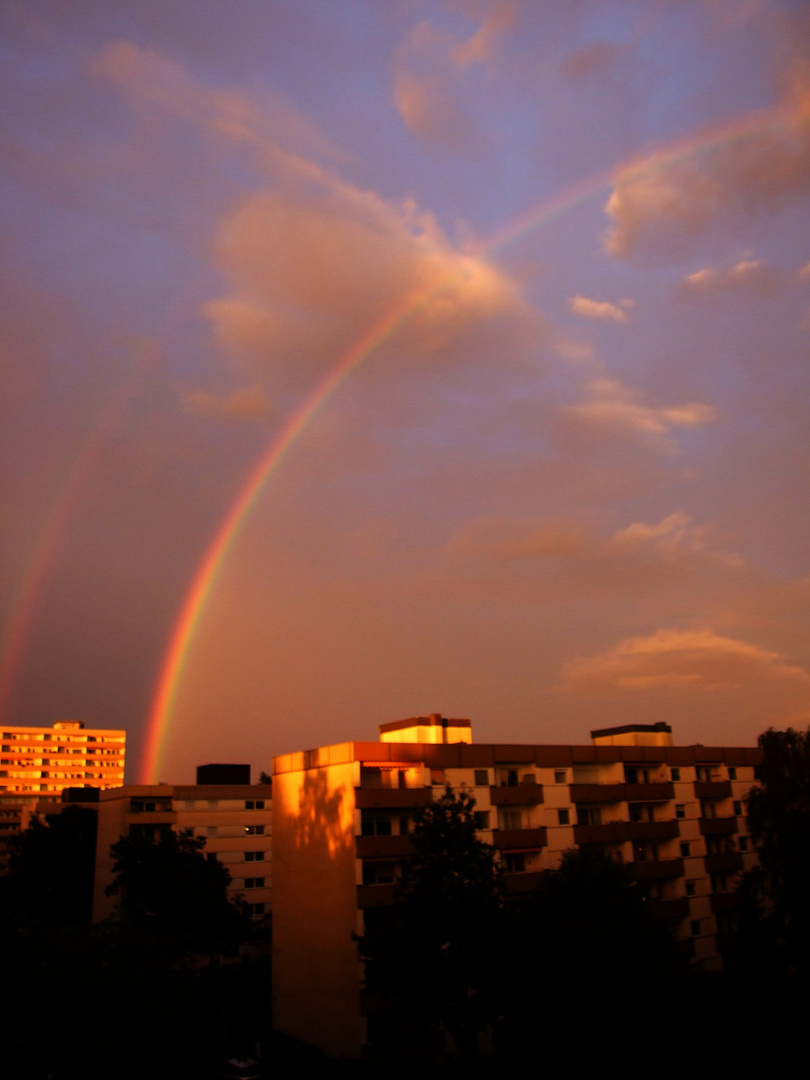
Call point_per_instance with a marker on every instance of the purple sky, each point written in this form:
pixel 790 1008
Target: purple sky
pixel 570 490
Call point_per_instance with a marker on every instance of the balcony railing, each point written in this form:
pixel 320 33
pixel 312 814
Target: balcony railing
pixel 718 826
pixel 518 795
pixel 519 839
pixel 612 793
pixel 383 847
pixel 713 789
pixel 676 908
pixel 656 870
pixel 615 832
pixel 369 896
pixel 391 798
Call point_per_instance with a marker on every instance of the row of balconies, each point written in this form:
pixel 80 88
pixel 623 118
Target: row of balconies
pixel 532 794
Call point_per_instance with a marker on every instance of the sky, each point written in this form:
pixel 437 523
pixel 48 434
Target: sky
pixel 375 358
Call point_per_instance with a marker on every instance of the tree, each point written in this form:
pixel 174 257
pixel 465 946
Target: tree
pixel 51 870
pixel 168 885
pixel 434 953
pixel 585 954
pixel 779 820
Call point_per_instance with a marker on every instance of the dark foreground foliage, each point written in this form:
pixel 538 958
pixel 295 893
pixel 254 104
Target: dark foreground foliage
pixel 136 996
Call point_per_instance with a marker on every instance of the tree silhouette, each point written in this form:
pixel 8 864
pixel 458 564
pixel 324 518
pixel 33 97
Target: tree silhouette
pixel 170 887
pixel 776 894
pixel 433 955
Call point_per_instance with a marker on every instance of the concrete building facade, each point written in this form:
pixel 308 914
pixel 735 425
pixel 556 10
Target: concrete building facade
pixel 235 820
pixel 674 814
pixel 39 763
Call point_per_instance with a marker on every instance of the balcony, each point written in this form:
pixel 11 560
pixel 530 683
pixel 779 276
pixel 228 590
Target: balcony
pixel 519 795
pixel 391 798
pixel 728 863
pixel 519 884
pixel 612 793
pixel 653 830
pixel 371 896
pixel 612 832
pixel 671 910
pixel 656 869
pixel 713 789
pixel 519 839
pixel 383 847
pixel 718 826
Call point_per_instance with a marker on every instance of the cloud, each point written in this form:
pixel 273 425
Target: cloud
pixel 612 406
pixel 675 540
pixel 428 67
pixel 530 538
pixel 597 309
pixel 317 266
pixel 748 274
pixel 659 203
pixel 690 659
pixel 245 403
pixel 314 279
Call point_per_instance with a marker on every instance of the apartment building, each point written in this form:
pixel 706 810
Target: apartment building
pixel 39 763
pixel 235 818
pixel 674 814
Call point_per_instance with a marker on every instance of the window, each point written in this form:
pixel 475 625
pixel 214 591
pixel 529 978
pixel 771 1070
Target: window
pixel 685 849
pixel 589 815
pixel 511 819
pixel 514 864
pixel 680 810
pixel 732 772
pixel 378 873
pixel 213 804
pixel 482 777
pixel 511 778
pixel 743 842
pixel 256 909
pixel 372 823
pixel 563 817
pixel 254 882
pixel 738 808
pixel 559 776
pixel 211 830
pixel 252 830
pixel 437 776
pixel 189 804
pixel 690 888
pixel 254 856
pixel 481 818
pixel 675 774
pixel 254 804
pixel 694 927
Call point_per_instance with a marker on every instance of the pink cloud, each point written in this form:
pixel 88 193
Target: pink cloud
pixel 689 659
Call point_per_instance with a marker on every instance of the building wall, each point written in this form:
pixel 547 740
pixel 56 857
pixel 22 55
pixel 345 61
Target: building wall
pixel 227 816
pixel 316 968
pixel 674 815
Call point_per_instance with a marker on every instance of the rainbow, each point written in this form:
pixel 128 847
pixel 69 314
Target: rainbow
pixel 205 578
pixel 17 626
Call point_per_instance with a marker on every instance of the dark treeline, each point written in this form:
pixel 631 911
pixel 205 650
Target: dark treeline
pixel 158 990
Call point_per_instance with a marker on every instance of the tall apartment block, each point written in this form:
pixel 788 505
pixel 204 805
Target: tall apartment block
pixel 674 814
pixel 39 763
